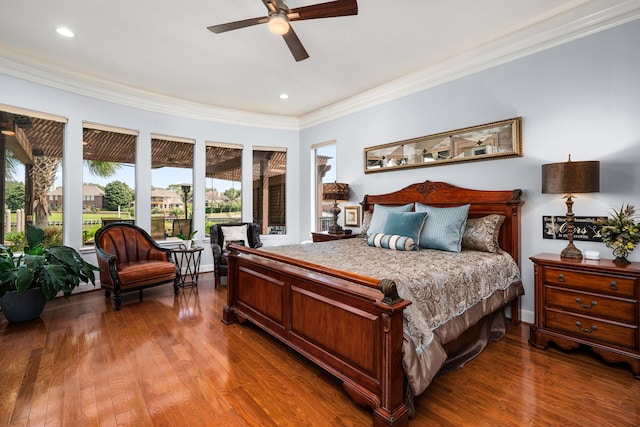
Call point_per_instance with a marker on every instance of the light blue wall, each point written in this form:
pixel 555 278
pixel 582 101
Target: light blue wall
pixel 78 108
pixel 581 98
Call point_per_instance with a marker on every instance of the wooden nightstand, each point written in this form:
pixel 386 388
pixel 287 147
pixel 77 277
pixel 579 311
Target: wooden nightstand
pixel 325 237
pixel 594 303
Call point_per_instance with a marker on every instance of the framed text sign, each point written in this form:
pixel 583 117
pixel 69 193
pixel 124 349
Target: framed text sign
pixel 586 228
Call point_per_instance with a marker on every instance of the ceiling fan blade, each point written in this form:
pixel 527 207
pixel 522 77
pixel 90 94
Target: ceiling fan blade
pixel 330 9
pixel 295 46
pixel 272 5
pixel 237 25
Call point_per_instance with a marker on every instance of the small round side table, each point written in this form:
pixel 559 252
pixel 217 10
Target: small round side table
pixel 187 266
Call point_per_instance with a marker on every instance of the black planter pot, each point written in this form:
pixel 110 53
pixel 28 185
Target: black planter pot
pixel 22 307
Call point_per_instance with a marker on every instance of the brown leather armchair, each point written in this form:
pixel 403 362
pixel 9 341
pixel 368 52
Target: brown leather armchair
pixel 219 245
pixel 130 260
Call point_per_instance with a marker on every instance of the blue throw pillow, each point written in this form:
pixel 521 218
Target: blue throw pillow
pixel 407 224
pixel 386 241
pixel 443 228
pixel 379 217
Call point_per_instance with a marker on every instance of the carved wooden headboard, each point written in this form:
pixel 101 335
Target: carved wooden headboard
pixel 483 202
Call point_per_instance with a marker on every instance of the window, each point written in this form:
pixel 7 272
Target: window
pixel 171 186
pixel 223 196
pixel 269 190
pixel 31 154
pixel 324 172
pixel 108 186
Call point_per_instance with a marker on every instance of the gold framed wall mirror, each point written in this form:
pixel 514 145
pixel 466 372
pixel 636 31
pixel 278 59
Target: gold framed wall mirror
pixel 488 141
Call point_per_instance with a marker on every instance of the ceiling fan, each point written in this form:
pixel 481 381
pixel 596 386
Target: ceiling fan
pixel 280 15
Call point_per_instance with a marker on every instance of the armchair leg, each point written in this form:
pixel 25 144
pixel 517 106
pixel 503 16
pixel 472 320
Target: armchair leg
pixel 118 301
pixel 107 293
pixel 216 282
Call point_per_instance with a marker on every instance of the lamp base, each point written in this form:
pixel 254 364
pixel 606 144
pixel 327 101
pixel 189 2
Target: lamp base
pixel 335 229
pixel 571 252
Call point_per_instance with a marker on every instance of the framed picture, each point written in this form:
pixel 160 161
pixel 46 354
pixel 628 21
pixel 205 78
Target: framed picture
pixel 494 140
pixel 352 216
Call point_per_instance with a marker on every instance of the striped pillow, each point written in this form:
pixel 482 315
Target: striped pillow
pixel 390 241
pixel 443 228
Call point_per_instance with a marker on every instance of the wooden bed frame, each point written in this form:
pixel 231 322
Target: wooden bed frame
pixel 351 325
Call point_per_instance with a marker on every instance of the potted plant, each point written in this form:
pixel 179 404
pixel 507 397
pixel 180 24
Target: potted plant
pixel 187 241
pixel 37 275
pixel 621 232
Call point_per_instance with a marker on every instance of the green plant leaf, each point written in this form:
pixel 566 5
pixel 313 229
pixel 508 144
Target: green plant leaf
pixel 53 269
pixel 24 279
pixel 35 236
pixel 67 256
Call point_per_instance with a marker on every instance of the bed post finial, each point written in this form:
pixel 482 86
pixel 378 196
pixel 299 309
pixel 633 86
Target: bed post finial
pixel 390 292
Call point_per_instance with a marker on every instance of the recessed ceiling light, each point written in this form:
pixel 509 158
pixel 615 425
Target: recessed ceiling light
pixel 64 31
pixel 284 96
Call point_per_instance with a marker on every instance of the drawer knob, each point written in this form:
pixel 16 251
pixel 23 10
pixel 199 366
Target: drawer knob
pixel 593 328
pixel 593 303
pixel 560 277
pixel 613 286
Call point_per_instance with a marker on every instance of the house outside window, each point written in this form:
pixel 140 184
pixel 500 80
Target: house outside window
pixel 172 186
pixel 108 188
pixel 223 193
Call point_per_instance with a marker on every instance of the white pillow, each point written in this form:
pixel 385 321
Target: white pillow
pixel 235 234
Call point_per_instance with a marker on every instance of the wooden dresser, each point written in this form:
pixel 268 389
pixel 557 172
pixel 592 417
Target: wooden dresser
pixel 594 303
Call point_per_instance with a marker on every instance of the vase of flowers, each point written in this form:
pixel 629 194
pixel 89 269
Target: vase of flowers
pixel 621 232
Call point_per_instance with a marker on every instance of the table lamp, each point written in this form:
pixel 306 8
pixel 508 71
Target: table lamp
pixel 570 178
pixel 336 192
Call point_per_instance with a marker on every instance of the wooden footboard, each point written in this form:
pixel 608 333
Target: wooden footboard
pixel 350 325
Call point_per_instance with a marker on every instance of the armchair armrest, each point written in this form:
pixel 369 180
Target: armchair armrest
pixel 159 253
pixel 217 250
pixel 104 257
pixel 253 234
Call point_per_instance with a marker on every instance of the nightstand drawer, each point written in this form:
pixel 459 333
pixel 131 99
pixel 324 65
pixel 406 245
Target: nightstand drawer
pixel 596 331
pixel 591 305
pixel 602 283
pixel 580 301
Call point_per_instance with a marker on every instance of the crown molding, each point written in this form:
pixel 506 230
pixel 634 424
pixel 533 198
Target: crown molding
pixel 32 70
pixel 583 20
pixel 569 22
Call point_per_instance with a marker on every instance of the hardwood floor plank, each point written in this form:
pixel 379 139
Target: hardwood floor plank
pixel 170 361
pixel 27 386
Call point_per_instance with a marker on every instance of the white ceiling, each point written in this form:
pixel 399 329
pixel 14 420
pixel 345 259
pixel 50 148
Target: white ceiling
pixel 158 54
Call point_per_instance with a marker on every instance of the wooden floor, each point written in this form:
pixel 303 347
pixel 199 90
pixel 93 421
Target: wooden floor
pixel 171 362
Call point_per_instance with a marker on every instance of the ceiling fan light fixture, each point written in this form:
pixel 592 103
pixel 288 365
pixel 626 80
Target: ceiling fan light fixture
pixel 278 23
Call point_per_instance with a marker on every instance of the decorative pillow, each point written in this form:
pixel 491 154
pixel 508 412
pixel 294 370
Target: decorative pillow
pixel 443 228
pixel 379 217
pixel 235 234
pixel 407 224
pixel 481 234
pixel 386 241
pixel 366 222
